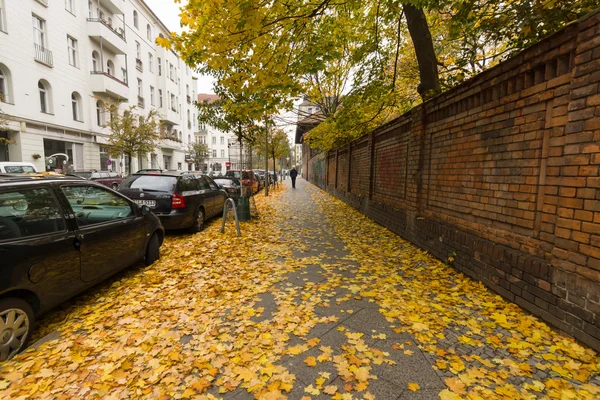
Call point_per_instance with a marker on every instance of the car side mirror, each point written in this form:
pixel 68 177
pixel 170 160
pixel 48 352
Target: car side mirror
pixel 145 210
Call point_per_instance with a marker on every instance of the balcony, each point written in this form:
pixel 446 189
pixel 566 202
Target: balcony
pixel 139 65
pixel 141 102
pixel 103 82
pixel 113 6
pixel 169 116
pixel 112 40
pixel 43 55
pixel 170 142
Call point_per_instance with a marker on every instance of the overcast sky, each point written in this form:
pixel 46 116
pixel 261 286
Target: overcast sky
pixel 168 12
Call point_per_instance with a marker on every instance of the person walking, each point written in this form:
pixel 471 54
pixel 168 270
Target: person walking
pixel 293 175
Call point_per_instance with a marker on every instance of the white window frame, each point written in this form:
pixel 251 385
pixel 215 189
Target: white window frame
pixel 152 95
pixel 76 106
pixel 136 19
pixel 140 88
pixel 160 98
pixel 5 89
pixel 149 32
pixel 70 6
pixel 73 52
pixel 138 50
pixel 159 65
pixel 3 17
pixel 39 32
pixel 150 62
pixel 44 95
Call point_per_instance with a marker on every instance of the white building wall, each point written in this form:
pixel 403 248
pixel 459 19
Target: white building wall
pixel 31 126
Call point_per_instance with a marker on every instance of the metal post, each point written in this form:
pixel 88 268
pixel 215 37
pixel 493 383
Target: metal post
pixel 226 211
pixel 267 175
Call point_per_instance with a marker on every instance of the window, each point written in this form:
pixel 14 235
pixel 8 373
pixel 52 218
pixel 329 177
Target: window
pixel 2 17
pixel 29 212
pixel 194 120
pixel 72 49
pixel 90 9
pixel 173 104
pixel 159 66
pixel 214 153
pixel 171 71
pixel 150 66
pixel 179 85
pixel 189 139
pixel 76 106
pixel 188 116
pixel 45 104
pixel 140 88
pixel 39 31
pixel 214 140
pixel 222 153
pixel 135 19
pixel 100 113
pixel 110 68
pixel 151 95
pixel 160 99
pixel 70 6
pixel 138 51
pixel 5 84
pixel 222 140
pixel 96 61
pixel 124 74
pixel 149 32
pixel 93 205
pixel 187 90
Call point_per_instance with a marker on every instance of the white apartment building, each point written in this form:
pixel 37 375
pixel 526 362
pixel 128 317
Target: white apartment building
pixel 62 60
pixel 223 150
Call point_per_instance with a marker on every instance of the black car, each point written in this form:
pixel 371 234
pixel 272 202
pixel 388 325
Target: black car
pixel 58 236
pixel 181 199
pixel 230 184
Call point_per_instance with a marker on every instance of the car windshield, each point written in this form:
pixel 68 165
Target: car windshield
pixel 85 175
pixel 236 174
pixel 18 169
pixel 226 182
pixel 158 183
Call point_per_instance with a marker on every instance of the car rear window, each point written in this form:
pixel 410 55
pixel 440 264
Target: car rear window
pixel 17 169
pixel 236 174
pixel 159 183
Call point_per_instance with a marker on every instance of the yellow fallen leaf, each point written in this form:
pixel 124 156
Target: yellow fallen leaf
pixel 330 390
pixel 413 386
pixel 310 361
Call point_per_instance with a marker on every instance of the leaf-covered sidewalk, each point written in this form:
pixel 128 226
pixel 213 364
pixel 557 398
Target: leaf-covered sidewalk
pixel 314 301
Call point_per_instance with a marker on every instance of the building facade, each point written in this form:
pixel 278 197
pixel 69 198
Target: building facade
pixel 223 148
pixel 62 61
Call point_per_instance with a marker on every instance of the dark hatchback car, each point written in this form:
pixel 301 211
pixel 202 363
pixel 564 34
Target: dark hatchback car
pixel 181 199
pixel 110 179
pixel 59 236
pixel 230 185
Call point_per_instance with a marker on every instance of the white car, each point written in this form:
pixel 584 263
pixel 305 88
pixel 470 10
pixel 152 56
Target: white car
pixel 15 167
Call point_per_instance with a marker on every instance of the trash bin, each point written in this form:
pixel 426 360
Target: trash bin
pixel 243 209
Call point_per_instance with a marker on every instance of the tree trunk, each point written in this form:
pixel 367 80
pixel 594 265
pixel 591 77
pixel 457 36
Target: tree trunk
pixel 426 57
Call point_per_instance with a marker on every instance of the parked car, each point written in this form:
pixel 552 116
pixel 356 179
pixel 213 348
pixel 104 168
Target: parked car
pixel 110 179
pixel 181 199
pixel 260 177
pixel 58 236
pixel 14 167
pixel 248 179
pixel 230 185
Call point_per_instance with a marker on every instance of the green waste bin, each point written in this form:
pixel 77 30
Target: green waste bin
pixel 243 209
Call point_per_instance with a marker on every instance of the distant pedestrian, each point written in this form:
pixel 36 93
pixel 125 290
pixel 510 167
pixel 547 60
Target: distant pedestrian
pixel 293 175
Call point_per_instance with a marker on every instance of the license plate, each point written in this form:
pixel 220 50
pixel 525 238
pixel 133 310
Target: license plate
pixel 149 203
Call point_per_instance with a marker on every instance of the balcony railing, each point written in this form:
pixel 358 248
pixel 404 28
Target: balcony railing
pixel 109 76
pixel 43 55
pixel 141 102
pixel 139 65
pixel 120 34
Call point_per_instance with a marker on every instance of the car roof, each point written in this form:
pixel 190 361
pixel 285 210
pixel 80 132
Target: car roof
pixel 155 172
pixel 35 177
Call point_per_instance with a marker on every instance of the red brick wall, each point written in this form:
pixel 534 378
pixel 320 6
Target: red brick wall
pixel 504 171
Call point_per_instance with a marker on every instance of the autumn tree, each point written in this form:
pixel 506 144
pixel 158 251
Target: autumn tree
pixel 132 133
pixel 198 152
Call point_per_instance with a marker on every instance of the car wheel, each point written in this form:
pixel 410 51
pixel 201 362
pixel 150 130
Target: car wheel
pixel 16 324
pixel 115 186
pixel 198 224
pixel 153 250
